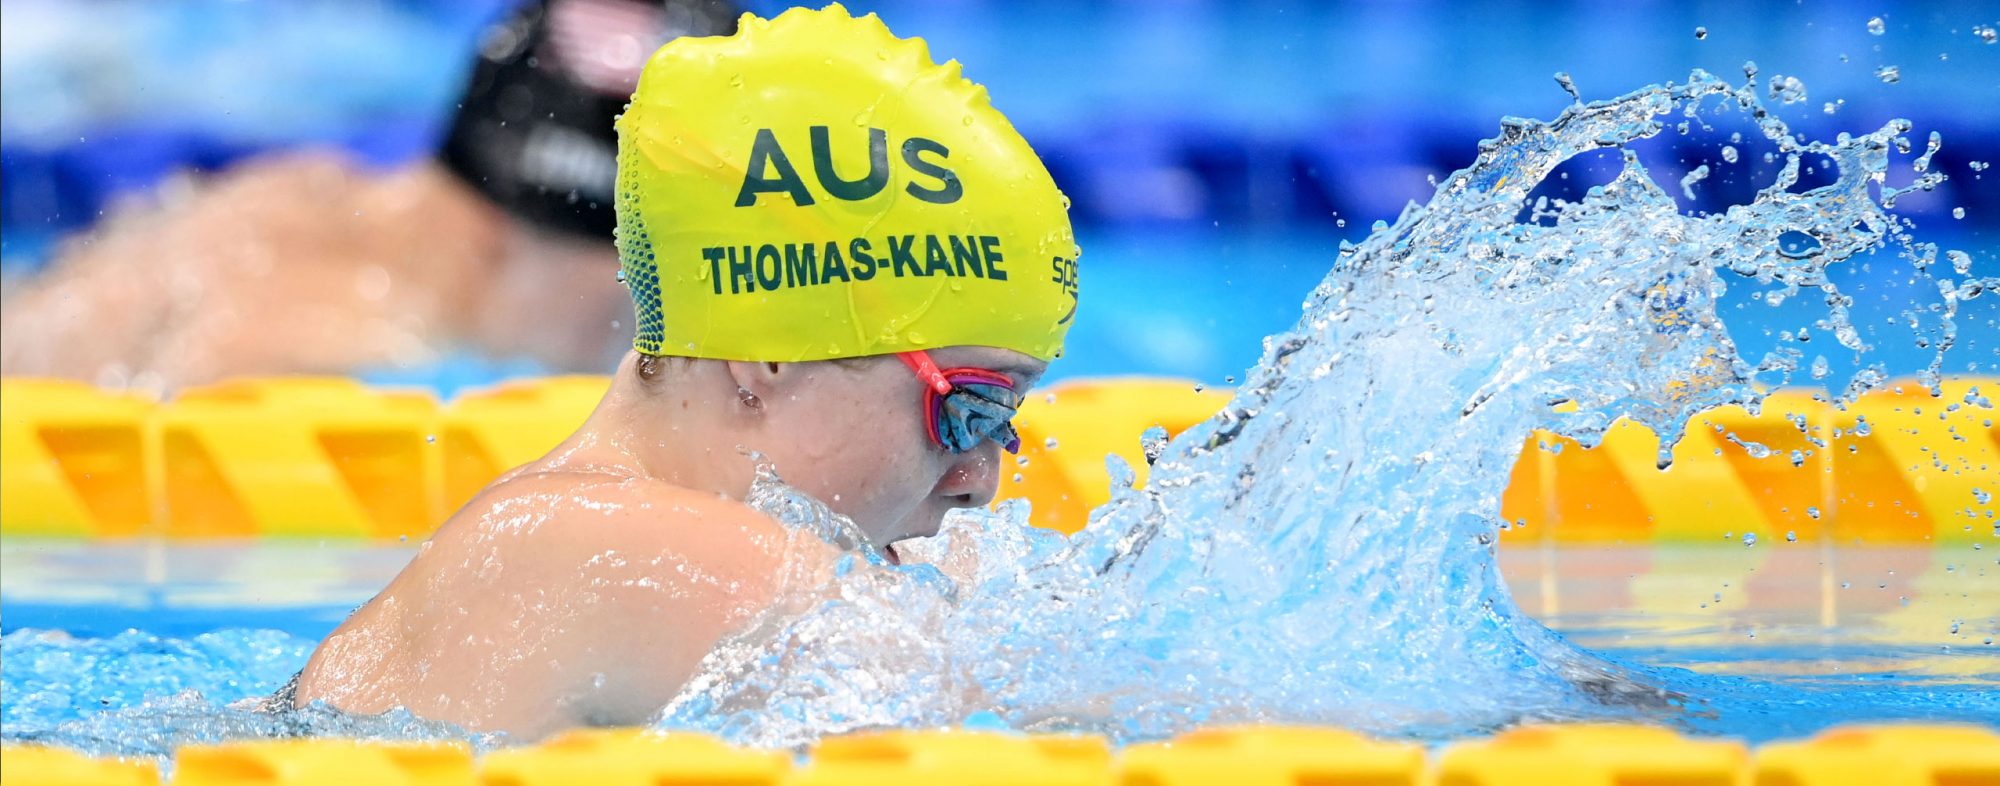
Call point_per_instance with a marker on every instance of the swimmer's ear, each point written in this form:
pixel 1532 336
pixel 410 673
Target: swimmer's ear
pixel 759 382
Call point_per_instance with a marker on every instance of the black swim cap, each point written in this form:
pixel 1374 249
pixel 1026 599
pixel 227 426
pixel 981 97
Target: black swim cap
pixel 534 130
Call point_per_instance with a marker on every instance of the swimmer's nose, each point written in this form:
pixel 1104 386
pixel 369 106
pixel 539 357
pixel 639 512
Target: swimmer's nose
pixel 973 477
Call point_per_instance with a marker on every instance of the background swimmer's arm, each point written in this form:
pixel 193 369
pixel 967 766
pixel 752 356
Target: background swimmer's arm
pixel 95 311
pixel 298 263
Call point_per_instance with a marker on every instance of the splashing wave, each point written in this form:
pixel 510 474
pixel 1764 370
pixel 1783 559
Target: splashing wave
pixel 1322 550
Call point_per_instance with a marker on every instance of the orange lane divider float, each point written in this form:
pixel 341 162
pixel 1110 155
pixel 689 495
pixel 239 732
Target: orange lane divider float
pixel 75 461
pixel 38 766
pixel 1884 756
pixel 1592 756
pixel 632 757
pixel 319 457
pixel 972 758
pixel 487 432
pixel 1560 755
pixel 298 457
pixel 322 762
pixel 1271 756
pixel 1898 466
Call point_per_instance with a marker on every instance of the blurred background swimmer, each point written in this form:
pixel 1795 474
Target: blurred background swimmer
pixel 1217 155
pixel 501 242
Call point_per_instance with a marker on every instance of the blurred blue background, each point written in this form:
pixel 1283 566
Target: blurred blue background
pixel 1216 152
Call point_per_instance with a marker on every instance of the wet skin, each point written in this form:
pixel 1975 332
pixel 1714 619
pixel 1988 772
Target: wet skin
pixel 585 588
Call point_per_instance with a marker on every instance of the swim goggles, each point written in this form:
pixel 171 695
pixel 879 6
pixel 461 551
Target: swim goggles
pixel 966 406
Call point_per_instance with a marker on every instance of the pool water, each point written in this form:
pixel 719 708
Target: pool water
pixel 1894 632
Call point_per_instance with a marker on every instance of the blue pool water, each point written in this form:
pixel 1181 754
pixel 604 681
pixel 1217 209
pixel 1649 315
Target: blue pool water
pixel 148 659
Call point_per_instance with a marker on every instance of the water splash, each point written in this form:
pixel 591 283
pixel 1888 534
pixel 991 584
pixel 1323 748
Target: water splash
pixel 1321 550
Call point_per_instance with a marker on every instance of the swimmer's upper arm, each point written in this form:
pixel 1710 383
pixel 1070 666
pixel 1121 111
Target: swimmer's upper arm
pixel 664 574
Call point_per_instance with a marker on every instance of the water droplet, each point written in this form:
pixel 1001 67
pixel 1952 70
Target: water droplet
pixel 1791 536
pixel 431 438
pixel 1889 74
pixel 1700 33
pixel 1050 443
pixel 1875 26
pixel 735 80
pixel 1568 85
pixel 1958 213
pixel 1787 89
pixel 1749 538
pixel 1729 153
pixel 1699 174
pixel 1931 146
pixel 1812 511
pixel 1153 443
pixel 621 275
pixel 1017 477
pixel 1982 495
pixel 1988 34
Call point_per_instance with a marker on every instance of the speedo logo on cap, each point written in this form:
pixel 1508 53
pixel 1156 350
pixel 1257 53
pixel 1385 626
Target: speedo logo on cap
pixel 770 170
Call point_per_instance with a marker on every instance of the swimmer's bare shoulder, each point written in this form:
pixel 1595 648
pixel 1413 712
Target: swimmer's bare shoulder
pixel 562 595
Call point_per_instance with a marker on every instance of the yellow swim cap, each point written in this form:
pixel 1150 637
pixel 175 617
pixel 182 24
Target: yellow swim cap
pixel 814 187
